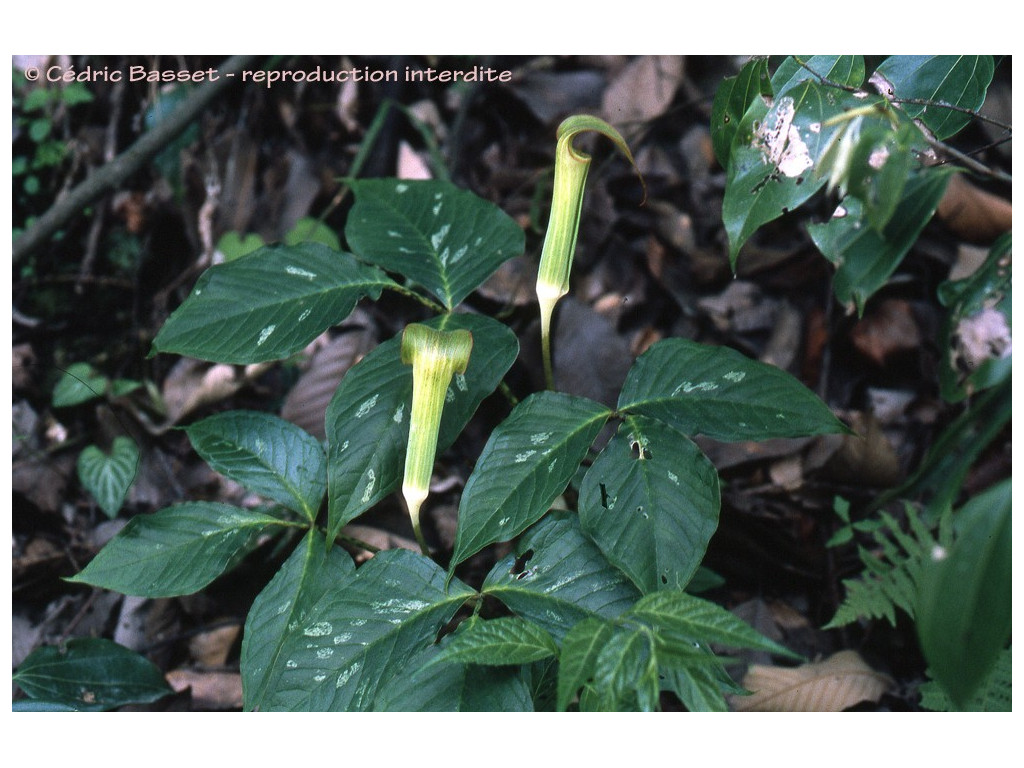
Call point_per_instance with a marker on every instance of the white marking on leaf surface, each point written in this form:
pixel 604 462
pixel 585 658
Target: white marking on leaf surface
pixel 300 272
pixel 265 334
pixel 780 141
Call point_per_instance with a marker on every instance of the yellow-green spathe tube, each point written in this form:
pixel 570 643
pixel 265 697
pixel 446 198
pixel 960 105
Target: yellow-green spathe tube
pixel 435 356
pixel 571 168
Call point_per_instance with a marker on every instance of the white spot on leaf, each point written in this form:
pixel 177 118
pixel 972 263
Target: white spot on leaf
pixel 735 376
pixel 319 629
pixel 366 406
pixel 265 334
pixel 300 272
pixel 780 141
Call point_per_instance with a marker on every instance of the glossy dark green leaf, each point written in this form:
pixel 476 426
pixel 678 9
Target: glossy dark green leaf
pixel 700 620
pixel 625 676
pixel 964 610
pixel 109 476
pixel 779 141
pixel 732 99
pixel 309 573
pixel 841 70
pixel 557 577
pixel 498 642
pixel 718 392
pixel 526 464
pixel 90 674
pixel 958 81
pixel 578 656
pixel 368 417
pixel 176 551
pixel 444 238
pixel 455 687
pixel 865 258
pixel 269 304
pixel 268 455
pixel 650 502
pixel 364 634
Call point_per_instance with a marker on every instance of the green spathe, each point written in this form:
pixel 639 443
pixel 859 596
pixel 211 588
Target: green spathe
pixel 571 167
pixel 435 356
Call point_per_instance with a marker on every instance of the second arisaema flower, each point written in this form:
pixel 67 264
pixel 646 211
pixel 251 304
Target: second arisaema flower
pixel 571 167
pixel 435 356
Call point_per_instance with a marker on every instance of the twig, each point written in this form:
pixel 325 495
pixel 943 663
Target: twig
pixel 112 174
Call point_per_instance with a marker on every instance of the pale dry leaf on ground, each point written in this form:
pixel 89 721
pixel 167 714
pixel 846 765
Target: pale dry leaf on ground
pixel 974 214
pixel 832 685
pixel 643 90
pixel 210 690
pixel 307 400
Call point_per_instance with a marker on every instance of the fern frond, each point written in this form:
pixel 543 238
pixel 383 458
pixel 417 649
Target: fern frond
pixel 892 570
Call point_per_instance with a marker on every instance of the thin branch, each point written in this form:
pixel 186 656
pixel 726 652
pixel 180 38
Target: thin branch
pixel 112 174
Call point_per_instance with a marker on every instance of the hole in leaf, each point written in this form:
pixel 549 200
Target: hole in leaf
pixel 520 564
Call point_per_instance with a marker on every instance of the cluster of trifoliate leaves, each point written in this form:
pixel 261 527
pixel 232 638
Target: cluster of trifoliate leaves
pixel 593 612
pixel 814 124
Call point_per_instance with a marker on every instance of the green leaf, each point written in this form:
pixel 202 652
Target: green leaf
pixel 702 621
pixel 90 674
pixel 650 502
pixel 732 99
pixel 964 611
pixel 268 305
pixel 444 238
pixel 310 230
pixel 455 687
pixel 176 551
pixel 363 635
pixel 498 642
pixel 865 258
pixel 233 246
pixel 578 657
pixel 368 417
pixel 266 454
pixel 626 673
pixel 309 573
pixel 977 327
pixel 957 81
pixel 527 463
pixel 995 694
pixel 108 478
pixel 770 171
pixel 717 391
pixel 842 70
pixel 557 577
pixel 79 384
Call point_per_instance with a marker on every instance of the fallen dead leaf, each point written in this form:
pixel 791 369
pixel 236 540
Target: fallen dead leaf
pixel 212 648
pixel 974 214
pixel 643 89
pixel 307 401
pixel 832 685
pixel 210 690
pixel 888 329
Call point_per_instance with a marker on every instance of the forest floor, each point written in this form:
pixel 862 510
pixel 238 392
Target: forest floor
pixel 262 159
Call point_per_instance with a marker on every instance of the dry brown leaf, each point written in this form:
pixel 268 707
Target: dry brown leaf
pixel 888 329
pixel 307 401
pixel 974 214
pixel 865 457
pixel 643 89
pixel 212 648
pixel 832 685
pixel 210 690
